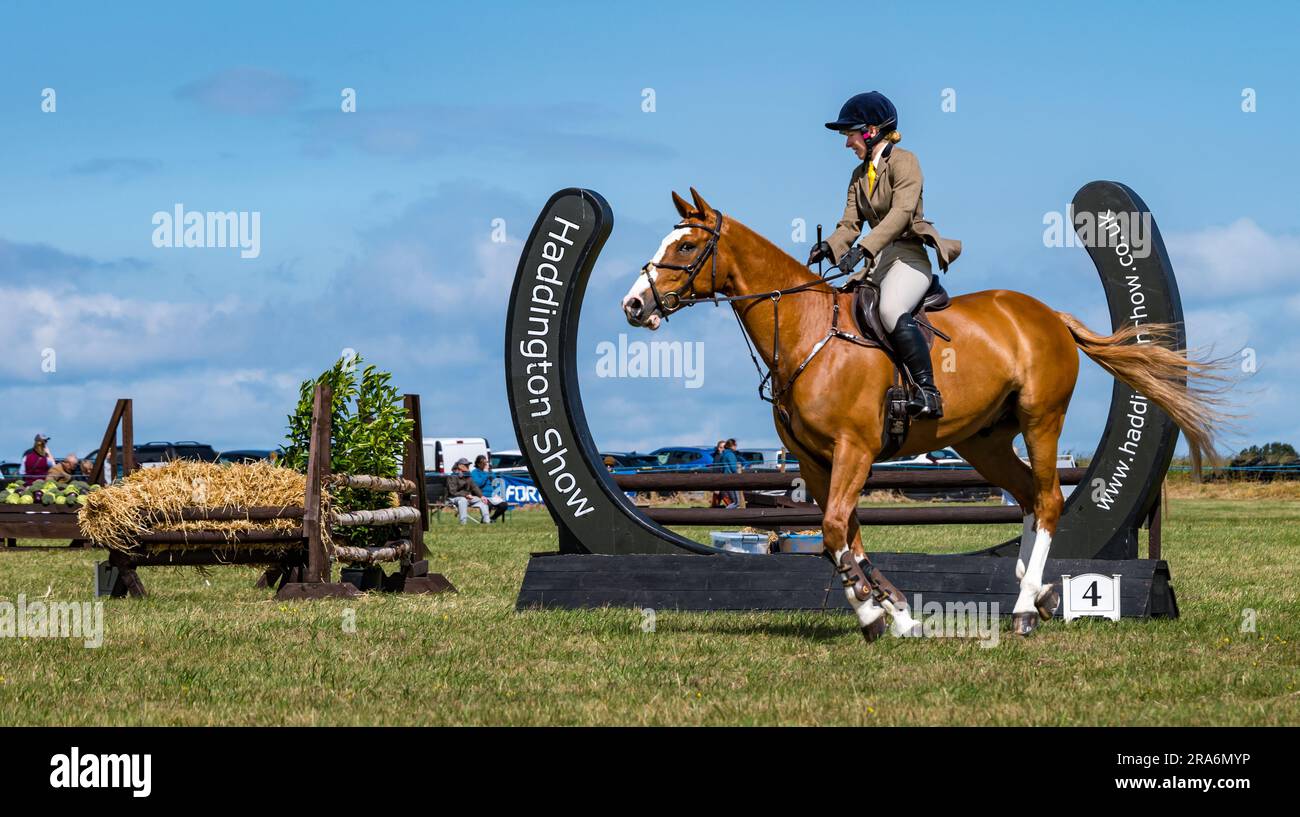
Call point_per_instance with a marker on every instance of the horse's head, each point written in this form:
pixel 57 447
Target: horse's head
pixel 684 268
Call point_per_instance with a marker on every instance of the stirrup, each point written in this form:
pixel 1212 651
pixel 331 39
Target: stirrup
pixel 926 403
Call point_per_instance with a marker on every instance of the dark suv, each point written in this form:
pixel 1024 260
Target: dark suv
pixel 158 452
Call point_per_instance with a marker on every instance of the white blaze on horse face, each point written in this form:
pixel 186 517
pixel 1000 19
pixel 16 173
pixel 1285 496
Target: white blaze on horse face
pixel 641 286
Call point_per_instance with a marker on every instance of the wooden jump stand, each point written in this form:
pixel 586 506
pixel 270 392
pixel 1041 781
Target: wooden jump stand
pixel 60 521
pixel 304 571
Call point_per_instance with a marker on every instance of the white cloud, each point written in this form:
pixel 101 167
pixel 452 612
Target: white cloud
pixel 97 331
pixel 1236 260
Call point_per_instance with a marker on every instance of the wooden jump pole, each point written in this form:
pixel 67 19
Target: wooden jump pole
pixel 413 471
pixel 318 464
pixel 108 442
pixel 128 438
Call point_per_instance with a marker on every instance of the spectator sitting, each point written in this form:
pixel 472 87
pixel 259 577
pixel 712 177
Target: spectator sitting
pixel 463 491
pixel 66 471
pixel 37 460
pixel 482 475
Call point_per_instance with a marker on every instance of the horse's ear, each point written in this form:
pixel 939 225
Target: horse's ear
pixel 700 204
pixel 683 209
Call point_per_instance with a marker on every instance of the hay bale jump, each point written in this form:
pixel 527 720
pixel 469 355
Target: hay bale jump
pixel 192 514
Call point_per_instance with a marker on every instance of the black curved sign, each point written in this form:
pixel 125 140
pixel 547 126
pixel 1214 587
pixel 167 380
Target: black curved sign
pixel 594 516
pixel 1100 519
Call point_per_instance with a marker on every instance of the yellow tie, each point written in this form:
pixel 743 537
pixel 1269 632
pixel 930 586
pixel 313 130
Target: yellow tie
pixel 871 178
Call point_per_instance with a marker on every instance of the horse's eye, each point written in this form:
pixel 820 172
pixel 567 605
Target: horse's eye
pixel 686 247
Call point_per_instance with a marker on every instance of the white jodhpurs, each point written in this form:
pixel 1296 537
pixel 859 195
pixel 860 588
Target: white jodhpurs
pixel 904 272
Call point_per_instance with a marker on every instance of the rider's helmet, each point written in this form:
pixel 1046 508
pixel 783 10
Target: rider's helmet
pixel 865 110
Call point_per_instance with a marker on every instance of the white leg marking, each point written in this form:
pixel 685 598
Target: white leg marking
pixel 1020 563
pixel 1032 581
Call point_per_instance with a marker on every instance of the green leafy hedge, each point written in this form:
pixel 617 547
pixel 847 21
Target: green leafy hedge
pixel 369 430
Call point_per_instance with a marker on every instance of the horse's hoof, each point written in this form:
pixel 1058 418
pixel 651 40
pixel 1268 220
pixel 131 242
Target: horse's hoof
pixel 874 630
pixel 1047 601
pixel 1024 623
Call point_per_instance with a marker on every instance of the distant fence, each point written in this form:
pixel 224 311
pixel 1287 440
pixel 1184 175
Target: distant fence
pixel 806 514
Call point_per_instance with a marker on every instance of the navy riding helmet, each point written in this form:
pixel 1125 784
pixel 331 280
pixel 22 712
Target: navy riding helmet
pixel 864 110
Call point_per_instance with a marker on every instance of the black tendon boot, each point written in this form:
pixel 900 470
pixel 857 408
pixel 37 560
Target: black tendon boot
pixel 926 402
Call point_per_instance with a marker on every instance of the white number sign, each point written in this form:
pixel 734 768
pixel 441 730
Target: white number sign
pixel 1090 594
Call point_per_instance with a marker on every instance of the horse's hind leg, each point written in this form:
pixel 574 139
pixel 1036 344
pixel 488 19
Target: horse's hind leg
pixel 1037 600
pixel 995 458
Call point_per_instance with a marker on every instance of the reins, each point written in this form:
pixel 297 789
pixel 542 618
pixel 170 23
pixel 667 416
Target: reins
pixel 776 391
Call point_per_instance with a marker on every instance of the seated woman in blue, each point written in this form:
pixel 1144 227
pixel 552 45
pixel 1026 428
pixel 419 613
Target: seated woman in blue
pixel 482 475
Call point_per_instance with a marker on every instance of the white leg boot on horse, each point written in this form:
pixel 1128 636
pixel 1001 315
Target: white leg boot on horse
pixel 866 589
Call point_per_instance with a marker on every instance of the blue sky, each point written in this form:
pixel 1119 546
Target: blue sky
pixel 376 226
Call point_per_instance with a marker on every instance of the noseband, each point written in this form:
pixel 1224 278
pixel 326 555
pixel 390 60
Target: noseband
pixel 674 300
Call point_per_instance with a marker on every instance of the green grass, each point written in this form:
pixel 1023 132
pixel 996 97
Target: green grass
pixel 208 648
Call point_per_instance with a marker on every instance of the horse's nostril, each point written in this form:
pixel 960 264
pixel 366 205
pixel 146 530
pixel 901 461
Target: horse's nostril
pixel 633 306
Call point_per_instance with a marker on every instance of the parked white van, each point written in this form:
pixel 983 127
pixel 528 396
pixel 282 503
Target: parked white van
pixel 441 453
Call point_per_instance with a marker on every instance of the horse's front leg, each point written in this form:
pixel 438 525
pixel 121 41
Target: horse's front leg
pixel 870 596
pixel 896 604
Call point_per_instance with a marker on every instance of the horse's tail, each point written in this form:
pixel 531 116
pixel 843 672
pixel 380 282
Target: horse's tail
pixel 1188 390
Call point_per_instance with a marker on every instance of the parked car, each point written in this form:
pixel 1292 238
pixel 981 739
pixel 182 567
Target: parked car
pixel 768 459
pixel 629 462
pixel 10 469
pixel 943 458
pixel 510 461
pixel 248 455
pixel 156 453
pixel 684 458
pixel 441 453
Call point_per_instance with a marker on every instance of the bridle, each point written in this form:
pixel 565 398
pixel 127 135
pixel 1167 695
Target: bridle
pixel 673 301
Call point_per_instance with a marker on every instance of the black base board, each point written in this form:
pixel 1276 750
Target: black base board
pixel 804 582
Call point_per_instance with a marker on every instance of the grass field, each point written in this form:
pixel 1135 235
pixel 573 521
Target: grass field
pixel 208 648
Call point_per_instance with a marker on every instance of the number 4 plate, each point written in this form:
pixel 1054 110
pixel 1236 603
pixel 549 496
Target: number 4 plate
pixel 1090 594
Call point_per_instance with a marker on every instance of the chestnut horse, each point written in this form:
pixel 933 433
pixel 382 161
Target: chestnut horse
pixel 1016 361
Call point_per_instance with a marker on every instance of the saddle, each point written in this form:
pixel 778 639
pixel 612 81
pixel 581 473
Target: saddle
pixel 867 317
pixel 866 294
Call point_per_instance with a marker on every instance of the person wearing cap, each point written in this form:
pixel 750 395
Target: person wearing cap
pixel 885 193
pixel 464 493
pixel 37 461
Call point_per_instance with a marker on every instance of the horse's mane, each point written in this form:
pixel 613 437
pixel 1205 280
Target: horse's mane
pixel 783 270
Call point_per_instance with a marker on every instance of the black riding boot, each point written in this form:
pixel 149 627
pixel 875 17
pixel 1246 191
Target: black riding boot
pixel 908 341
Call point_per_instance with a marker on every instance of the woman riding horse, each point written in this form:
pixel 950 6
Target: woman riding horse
pixel 1021 360
pixel 885 192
